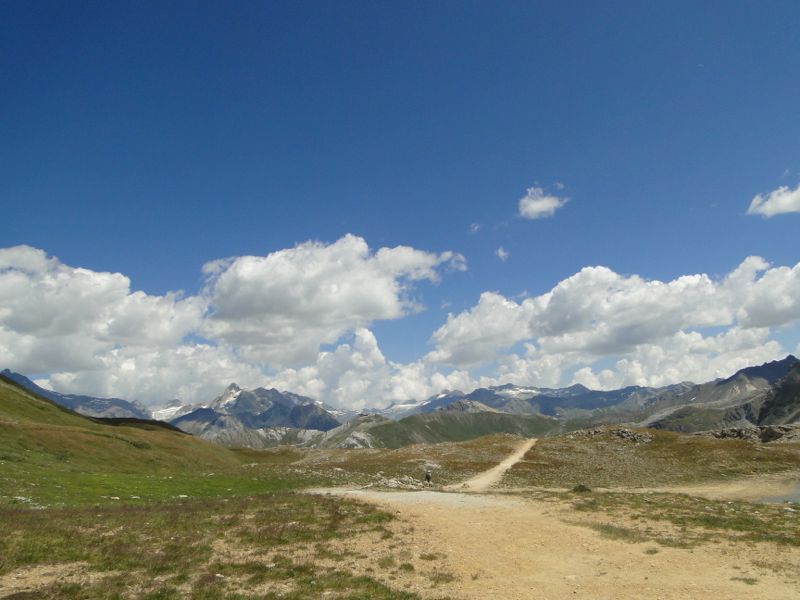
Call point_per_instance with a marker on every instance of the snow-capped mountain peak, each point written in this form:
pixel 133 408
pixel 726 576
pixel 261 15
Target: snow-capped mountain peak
pixel 229 396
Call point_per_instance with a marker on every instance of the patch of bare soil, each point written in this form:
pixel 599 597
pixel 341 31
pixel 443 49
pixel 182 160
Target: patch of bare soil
pixel 751 489
pixel 27 581
pixel 504 546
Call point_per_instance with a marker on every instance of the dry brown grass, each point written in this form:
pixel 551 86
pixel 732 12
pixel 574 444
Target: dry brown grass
pixel 606 460
pixel 450 462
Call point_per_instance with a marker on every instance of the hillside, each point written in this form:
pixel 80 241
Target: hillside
pixel 453 426
pixel 783 404
pixel 50 454
pixel 456 425
pixel 765 395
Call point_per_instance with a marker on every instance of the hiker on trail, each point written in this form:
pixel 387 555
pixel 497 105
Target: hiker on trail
pixel 428 477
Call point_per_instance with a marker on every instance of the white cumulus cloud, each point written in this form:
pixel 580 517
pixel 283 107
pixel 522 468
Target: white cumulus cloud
pixel 53 316
pixel 268 321
pixel 280 308
pixel 777 202
pixel 502 254
pixel 191 372
pixel 685 357
pixel 357 375
pixel 537 204
pixel 83 331
pixel 654 326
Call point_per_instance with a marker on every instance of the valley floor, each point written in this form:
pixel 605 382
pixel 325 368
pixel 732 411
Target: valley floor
pixel 467 540
pixel 537 545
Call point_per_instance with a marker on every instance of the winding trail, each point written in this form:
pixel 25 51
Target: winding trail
pixel 487 479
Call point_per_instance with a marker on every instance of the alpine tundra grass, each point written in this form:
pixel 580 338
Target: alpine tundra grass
pixel 211 548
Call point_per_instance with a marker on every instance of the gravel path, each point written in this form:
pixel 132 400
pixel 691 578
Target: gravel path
pixel 487 479
pixel 510 547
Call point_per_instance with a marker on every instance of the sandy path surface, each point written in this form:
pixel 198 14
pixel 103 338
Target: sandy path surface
pixel 512 548
pixel 509 547
pixel 750 489
pixel 487 479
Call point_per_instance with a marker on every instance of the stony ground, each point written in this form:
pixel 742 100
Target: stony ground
pixel 632 543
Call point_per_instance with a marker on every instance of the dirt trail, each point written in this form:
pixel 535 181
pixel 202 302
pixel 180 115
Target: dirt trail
pixel 510 547
pixel 487 479
pixel 776 486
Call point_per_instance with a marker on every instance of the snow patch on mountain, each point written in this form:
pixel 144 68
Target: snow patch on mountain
pixel 517 392
pixel 229 396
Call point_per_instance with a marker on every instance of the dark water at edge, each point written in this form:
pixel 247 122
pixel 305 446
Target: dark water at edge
pixel 792 496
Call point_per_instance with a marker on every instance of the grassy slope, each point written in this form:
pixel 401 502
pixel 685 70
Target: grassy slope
pixel 690 418
pixel 444 426
pixel 51 455
pixel 106 531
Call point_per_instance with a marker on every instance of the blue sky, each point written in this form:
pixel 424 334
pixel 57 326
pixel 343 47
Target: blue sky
pixel 149 139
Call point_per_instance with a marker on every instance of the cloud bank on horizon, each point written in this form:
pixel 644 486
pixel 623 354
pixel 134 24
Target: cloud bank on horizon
pixel 299 319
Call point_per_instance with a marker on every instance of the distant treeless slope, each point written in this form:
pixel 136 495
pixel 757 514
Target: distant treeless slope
pixel 35 431
pixel 453 426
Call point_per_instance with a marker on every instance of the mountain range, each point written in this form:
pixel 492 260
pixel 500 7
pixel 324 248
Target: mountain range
pixel 85 405
pixel 768 394
pixel 257 418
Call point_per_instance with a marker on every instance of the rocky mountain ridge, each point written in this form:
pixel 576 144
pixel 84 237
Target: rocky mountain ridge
pixel 257 418
pixel 768 394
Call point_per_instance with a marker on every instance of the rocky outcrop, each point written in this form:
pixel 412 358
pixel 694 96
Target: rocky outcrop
pixel 763 434
pixel 622 433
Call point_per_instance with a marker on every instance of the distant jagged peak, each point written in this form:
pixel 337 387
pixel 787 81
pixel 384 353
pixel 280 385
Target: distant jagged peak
pixel 232 388
pixel 578 388
pixel 230 395
pixel 771 371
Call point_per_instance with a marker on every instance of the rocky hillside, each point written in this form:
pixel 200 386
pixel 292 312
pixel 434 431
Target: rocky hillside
pixel 782 404
pixel 764 434
pixel 258 418
pixel 263 408
pixel 762 395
